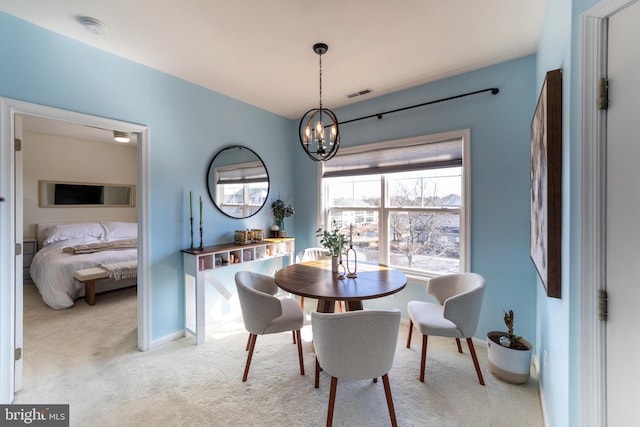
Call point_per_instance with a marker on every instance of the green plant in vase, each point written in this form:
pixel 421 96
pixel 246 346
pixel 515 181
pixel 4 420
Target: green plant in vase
pixel 280 212
pixel 332 240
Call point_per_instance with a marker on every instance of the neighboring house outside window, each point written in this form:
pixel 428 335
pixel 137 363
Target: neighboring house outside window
pixel 407 201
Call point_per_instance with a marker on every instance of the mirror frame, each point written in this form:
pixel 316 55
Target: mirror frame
pixel 211 187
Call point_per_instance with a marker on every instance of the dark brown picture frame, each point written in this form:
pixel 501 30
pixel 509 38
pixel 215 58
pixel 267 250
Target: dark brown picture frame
pixel 546 184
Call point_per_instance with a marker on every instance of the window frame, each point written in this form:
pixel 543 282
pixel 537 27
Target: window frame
pixel 384 211
pixel 245 182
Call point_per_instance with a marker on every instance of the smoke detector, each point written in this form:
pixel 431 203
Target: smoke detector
pixel 93 25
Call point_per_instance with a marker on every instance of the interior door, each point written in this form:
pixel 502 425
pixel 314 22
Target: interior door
pixel 623 216
pixel 18 261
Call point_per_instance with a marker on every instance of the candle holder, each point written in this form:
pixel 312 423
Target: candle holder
pixel 191 221
pixel 352 274
pixel 201 248
pixel 341 271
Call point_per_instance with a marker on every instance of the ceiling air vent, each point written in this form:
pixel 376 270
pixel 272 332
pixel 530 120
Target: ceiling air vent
pixel 356 94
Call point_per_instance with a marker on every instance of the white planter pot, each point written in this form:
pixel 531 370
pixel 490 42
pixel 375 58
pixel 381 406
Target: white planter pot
pixel 513 366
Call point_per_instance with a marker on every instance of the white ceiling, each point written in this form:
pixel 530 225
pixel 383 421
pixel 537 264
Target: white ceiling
pixel 260 51
pixel 47 126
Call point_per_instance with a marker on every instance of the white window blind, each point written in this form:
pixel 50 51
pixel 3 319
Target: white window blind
pixel 406 155
pixel 244 173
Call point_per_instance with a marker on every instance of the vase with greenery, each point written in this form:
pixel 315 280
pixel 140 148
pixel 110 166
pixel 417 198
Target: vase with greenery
pixel 509 354
pixel 334 241
pixel 281 211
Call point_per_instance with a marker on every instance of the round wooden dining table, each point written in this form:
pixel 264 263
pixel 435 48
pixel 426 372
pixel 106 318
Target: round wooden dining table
pixel 314 279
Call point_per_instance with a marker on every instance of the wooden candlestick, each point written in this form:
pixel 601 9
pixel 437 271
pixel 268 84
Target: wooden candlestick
pixel 352 274
pixel 191 220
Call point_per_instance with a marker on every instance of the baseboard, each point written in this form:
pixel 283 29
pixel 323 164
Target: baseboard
pixel 162 341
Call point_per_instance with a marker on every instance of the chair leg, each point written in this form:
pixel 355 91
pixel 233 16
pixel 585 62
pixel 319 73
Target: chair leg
pixel 410 331
pixel 293 333
pixel 297 335
pixel 332 401
pixel 459 345
pixel 387 392
pixel 252 345
pixel 316 383
pixel 423 360
pixel 246 348
pixel 302 303
pixel 472 350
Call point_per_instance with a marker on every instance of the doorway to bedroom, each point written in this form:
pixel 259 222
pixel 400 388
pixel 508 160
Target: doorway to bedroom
pixel 23 201
pixel 60 161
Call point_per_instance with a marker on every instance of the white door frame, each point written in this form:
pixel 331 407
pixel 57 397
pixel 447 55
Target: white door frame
pixel 593 210
pixel 8 109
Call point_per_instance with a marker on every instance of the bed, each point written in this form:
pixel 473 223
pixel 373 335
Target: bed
pixel 65 248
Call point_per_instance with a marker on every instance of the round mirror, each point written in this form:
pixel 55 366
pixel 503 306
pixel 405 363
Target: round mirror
pixel 237 181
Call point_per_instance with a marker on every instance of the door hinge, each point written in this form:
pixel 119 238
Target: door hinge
pixel 18 353
pixel 18 143
pixel 18 249
pixel 603 308
pixel 603 94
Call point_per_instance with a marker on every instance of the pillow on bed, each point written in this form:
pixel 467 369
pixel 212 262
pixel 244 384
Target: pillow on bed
pixel 120 230
pixel 62 232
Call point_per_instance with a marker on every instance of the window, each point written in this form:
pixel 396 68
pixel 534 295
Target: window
pixel 407 201
pixel 241 189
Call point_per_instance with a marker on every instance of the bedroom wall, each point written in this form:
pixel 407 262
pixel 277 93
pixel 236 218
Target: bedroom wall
pixel 57 158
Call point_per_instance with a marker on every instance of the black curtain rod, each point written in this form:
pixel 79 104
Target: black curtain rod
pixel 494 91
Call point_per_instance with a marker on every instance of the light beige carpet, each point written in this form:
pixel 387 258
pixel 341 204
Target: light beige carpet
pixel 86 357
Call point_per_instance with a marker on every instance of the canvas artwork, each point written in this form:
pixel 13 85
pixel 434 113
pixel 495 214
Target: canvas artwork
pixel 546 184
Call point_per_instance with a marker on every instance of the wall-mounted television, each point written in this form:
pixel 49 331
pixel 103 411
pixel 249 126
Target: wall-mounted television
pixel 77 194
pixel 69 194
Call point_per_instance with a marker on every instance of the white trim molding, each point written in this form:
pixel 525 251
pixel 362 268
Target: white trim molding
pixel 593 210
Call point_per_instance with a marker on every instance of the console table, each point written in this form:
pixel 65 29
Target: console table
pixel 198 262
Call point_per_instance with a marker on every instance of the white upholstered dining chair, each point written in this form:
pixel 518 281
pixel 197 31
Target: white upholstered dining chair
pixel 356 345
pixel 263 313
pixel 454 314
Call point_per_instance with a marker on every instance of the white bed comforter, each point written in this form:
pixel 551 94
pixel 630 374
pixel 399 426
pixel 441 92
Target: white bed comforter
pixel 52 269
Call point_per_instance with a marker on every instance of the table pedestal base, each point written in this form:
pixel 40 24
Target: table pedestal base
pixel 329 306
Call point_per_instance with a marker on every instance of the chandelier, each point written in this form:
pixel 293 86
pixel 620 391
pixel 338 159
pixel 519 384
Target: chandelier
pixel 318 130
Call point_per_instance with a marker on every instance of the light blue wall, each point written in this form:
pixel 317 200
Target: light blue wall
pixel 553 314
pixel 559 322
pixel 499 173
pixel 187 123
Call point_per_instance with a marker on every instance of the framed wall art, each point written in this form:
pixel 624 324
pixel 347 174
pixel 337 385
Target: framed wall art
pixel 546 184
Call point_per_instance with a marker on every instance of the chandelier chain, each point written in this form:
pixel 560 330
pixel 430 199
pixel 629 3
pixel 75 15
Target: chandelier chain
pixel 320 55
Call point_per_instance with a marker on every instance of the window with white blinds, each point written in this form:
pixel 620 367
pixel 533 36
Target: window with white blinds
pixel 407 201
pixel 401 156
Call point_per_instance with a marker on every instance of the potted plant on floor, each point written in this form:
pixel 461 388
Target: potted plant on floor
pixel 509 354
pixel 334 241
